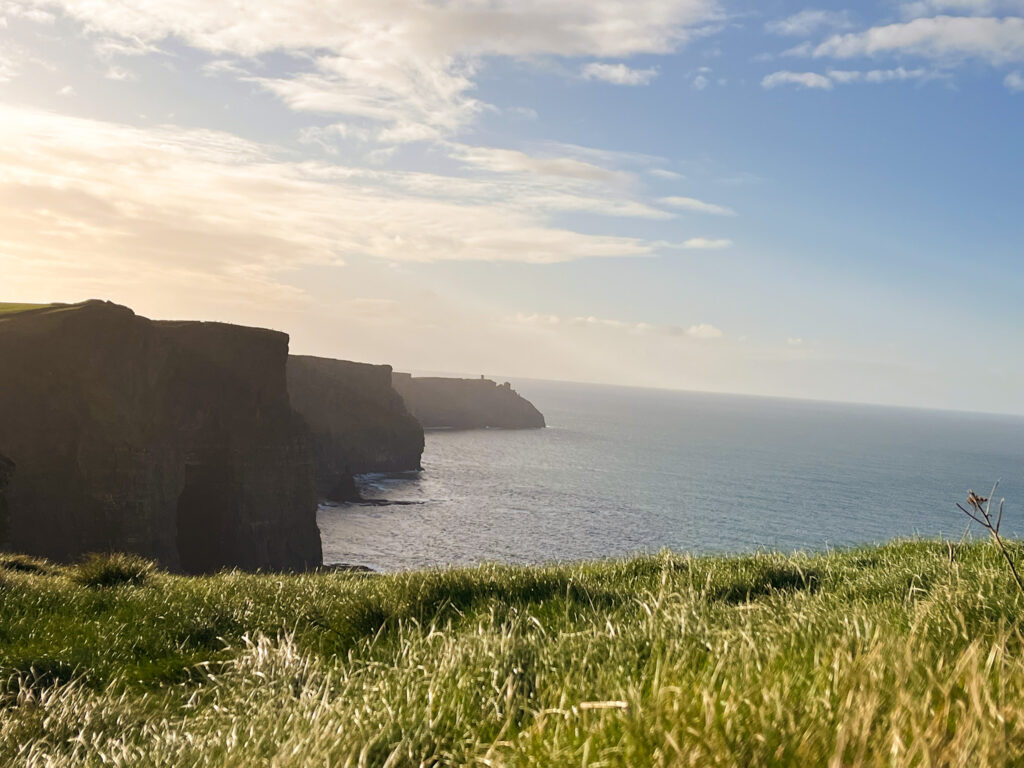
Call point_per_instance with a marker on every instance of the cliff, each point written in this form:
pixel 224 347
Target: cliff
pixel 171 440
pixel 466 403
pixel 359 423
pixel 6 473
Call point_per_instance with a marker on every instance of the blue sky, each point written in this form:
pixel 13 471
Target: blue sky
pixel 816 200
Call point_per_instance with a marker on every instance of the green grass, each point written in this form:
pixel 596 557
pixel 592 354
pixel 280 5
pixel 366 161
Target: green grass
pixel 877 656
pixel 10 309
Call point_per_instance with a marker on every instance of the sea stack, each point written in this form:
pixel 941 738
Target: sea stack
pixel 359 423
pixel 175 441
pixel 449 403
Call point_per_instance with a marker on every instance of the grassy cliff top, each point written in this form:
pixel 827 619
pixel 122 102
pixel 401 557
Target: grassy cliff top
pixel 10 309
pixel 873 656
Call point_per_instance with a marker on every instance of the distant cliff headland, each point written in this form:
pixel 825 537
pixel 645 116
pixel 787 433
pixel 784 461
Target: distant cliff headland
pixel 199 445
pixel 444 403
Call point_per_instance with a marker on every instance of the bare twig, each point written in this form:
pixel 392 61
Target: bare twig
pixel 982 514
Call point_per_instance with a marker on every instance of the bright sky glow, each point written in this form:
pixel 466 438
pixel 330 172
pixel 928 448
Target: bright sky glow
pixel 821 201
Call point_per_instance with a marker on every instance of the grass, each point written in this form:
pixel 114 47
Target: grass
pixel 10 309
pixel 111 570
pixel 887 656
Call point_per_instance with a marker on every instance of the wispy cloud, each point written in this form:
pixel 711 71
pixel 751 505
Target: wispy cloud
pixel 407 68
pixel 549 322
pixel 697 206
pixel 808 22
pixel 800 79
pixel 996 40
pixel 663 173
pixel 9 68
pixel 1015 82
pixel 846 76
pixel 707 244
pixel 167 206
pixel 917 8
pixel 618 74
pixel 704 331
pixel 834 77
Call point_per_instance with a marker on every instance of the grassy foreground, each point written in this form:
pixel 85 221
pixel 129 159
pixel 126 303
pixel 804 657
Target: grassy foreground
pixel 877 656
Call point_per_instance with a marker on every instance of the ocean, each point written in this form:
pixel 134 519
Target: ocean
pixel 621 471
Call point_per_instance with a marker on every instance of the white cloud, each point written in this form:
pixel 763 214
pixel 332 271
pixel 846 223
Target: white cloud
pixel 697 206
pixel 663 173
pixel 120 74
pixel 879 75
pixel 800 79
pixel 618 74
pixel 997 41
pixel 536 319
pixel 91 203
pixel 28 11
pixel 846 77
pixel 795 341
pixel 704 331
pixel 704 243
pixel 512 161
pixel 964 7
pixel 700 82
pixel 809 21
pixel 601 322
pixel 67 90
pixel 1015 82
pixel 408 66
pixel 10 68
pixel 590 322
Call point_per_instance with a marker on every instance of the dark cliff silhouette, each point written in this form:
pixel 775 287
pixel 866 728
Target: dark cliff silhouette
pixel 452 403
pixel 6 473
pixel 359 423
pixel 171 440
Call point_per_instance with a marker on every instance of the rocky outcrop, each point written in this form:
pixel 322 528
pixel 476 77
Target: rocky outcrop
pixel 175 441
pixel 359 423
pixel 441 403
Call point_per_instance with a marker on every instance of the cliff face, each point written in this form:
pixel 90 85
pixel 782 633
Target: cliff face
pixel 6 473
pixel 358 421
pixel 172 440
pixel 466 403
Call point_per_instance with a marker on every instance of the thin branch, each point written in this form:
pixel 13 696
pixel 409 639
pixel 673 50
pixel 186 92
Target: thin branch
pixel 978 520
pixel 975 502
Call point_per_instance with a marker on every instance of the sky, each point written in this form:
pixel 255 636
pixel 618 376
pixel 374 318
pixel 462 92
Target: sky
pixel 819 201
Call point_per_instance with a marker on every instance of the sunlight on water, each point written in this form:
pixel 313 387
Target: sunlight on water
pixel 626 470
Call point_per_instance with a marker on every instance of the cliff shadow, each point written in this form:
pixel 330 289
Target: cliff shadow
pixel 204 520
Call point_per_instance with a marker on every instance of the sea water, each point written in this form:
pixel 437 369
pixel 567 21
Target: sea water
pixel 620 471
